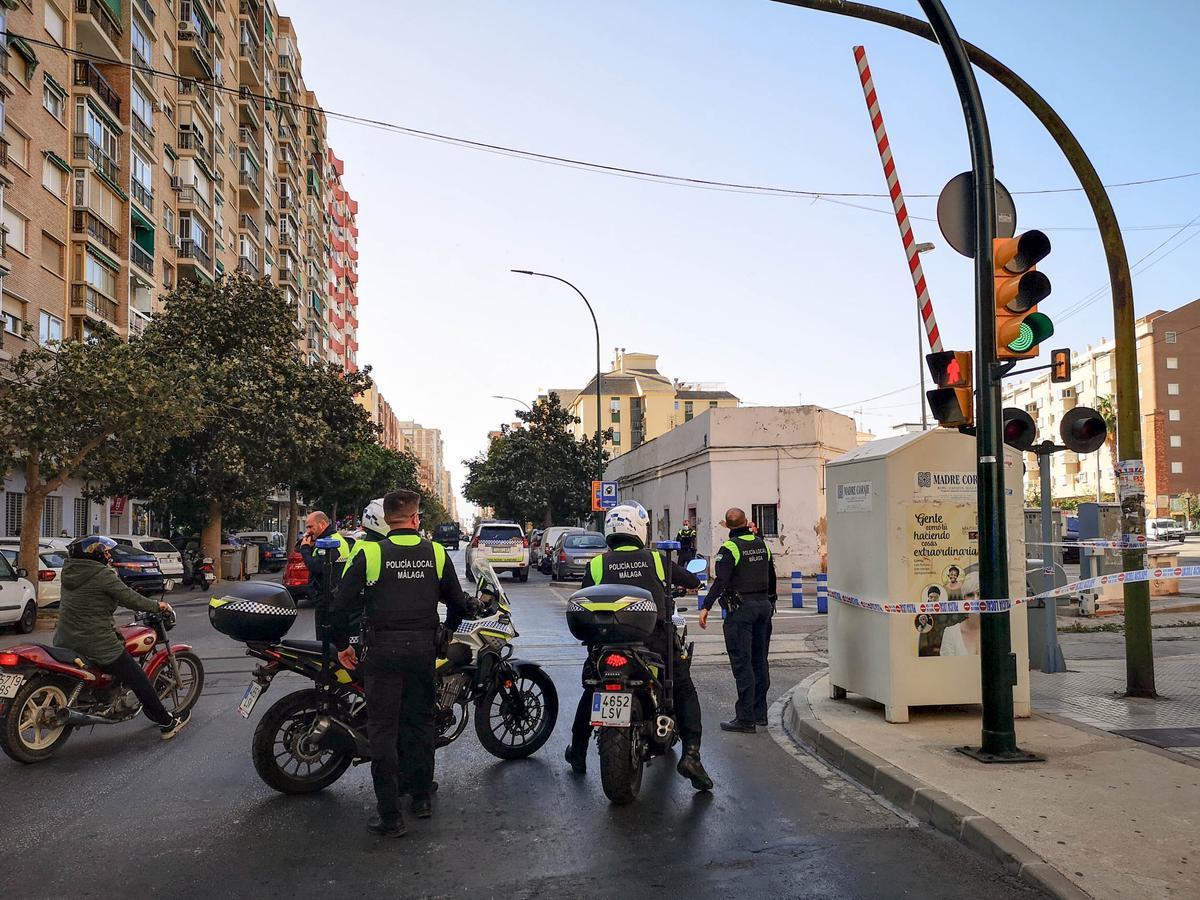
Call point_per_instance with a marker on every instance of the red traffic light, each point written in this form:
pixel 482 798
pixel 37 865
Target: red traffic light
pixel 1083 430
pixel 1019 428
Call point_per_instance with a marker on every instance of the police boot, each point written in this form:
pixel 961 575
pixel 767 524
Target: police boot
pixel 577 759
pixel 393 828
pixel 691 768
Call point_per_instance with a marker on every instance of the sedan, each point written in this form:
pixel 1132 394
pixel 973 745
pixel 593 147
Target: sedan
pixel 49 575
pixel 574 551
pixel 138 570
pixel 17 605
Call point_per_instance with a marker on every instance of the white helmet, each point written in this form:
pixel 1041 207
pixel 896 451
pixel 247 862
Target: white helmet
pixel 372 518
pixel 628 518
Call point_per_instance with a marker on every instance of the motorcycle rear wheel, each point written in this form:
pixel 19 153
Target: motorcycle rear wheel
pixel 621 759
pixel 279 756
pixel 508 733
pixel 22 736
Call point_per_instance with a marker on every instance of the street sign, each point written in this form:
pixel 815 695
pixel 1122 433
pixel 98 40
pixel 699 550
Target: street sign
pixel 956 213
pixel 604 495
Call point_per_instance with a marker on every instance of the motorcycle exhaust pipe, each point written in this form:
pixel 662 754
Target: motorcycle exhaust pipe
pixel 663 726
pixel 76 719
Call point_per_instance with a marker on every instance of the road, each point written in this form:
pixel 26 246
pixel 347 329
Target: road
pixel 119 812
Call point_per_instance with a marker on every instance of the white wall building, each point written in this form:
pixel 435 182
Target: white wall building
pixel 66 512
pixel 768 460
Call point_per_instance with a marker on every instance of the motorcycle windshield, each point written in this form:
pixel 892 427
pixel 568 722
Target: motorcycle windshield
pixel 488 580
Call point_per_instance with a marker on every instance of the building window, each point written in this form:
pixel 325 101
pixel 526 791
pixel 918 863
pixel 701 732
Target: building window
pixel 616 439
pixel 12 322
pixel 142 107
pixel 56 24
pixel 140 171
pixel 82 517
pixel 614 407
pixel 1176 440
pixel 18 146
pixel 53 99
pixel 54 179
pixel 1173 415
pixel 50 329
pixel 1176 468
pixel 1172 362
pixel 14 513
pixel 142 48
pixel 100 276
pixel 1170 337
pixel 15 223
pixel 52 517
pixel 687 410
pixel 1173 389
pixel 53 255
pixel 766 517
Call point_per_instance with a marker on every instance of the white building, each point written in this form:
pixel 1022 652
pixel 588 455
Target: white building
pixel 67 512
pixel 767 460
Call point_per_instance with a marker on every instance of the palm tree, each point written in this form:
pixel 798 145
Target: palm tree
pixel 1107 408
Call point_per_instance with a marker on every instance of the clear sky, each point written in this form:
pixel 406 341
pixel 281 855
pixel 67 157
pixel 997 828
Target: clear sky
pixel 785 300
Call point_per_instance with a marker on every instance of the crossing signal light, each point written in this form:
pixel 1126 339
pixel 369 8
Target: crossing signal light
pixel 952 402
pixel 1019 289
pixel 1083 430
pixel 1020 431
pixel 1060 366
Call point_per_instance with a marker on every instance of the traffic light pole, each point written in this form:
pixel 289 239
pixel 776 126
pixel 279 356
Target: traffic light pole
pixel 998 665
pixel 1052 655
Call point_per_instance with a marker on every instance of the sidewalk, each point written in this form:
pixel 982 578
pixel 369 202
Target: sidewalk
pixel 1104 816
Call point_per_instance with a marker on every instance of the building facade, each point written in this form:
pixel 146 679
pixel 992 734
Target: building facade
pixel 768 461
pixel 638 403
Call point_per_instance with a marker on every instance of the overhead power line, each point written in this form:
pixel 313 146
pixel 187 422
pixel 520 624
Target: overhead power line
pixel 569 162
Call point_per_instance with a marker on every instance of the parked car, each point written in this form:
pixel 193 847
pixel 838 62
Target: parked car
pixel 448 535
pixel 17 604
pixel 1071 539
pixel 536 547
pixel 272 555
pixel 170 560
pixel 549 539
pixel 1164 530
pixel 504 545
pixel 49 575
pixel 139 570
pixel 295 578
pixel 573 551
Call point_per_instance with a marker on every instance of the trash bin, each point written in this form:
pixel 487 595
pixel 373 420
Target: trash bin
pixel 232 562
pixel 251 565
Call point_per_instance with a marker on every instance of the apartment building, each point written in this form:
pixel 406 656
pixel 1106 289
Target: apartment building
pixel 1168 352
pixel 426 445
pixel 390 434
pixel 638 402
pixel 343 270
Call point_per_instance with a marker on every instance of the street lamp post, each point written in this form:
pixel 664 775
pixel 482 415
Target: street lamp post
pixel 513 399
pixel 599 443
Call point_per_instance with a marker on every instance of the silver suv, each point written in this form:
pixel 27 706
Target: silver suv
pixel 503 545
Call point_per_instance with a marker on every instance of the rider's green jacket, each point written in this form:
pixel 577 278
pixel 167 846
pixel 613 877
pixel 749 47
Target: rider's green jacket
pixel 91 593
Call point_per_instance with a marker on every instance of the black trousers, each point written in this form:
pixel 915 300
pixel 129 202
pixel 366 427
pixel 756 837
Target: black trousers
pixel 126 670
pixel 748 640
pixel 400 691
pixel 687 706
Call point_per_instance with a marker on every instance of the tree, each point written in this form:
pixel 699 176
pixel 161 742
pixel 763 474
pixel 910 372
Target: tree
pixel 538 473
pixel 97 410
pixel 355 475
pixel 1107 408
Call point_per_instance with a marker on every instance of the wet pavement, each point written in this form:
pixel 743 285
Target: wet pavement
pixel 119 812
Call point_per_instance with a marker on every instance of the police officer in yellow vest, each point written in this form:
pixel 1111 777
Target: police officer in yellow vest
pixel 745 587
pixel 628 562
pixel 401 580
pixel 316 526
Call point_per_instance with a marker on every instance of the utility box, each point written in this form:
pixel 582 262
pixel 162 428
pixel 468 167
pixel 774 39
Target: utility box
pixel 903 533
pixel 1100 521
pixel 1033 533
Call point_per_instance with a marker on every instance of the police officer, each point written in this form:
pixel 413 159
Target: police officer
pixel 625 529
pixel 316 526
pixel 402 579
pixel 745 587
pixel 687 542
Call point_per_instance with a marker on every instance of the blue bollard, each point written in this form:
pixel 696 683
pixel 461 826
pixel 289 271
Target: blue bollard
pixel 797 590
pixel 822 593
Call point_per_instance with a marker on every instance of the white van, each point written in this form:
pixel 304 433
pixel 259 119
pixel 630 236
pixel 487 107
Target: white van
pixel 1164 530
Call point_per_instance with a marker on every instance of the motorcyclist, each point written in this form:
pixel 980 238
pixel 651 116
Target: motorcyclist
pixel 625 530
pixel 91 593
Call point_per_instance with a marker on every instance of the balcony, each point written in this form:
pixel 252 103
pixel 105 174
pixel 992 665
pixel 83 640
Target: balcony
pixel 247 266
pixel 288 275
pixel 140 258
pixel 246 139
pixel 246 223
pixel 86 300
pixel 86 148
pixel 87 75
pixel 142 194
pixel 97 31
pixel 189 196
pixel 195 49
pixel 250 60
pixel 287 240
pixel 194 252
pixel 143 131
pixel 193 143
pixel 138 322
pixel 250 186
pixel 194 89
pixel 85 222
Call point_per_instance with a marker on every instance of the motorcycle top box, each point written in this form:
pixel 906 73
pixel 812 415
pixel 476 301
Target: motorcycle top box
pixel 253 611
pixel 610 613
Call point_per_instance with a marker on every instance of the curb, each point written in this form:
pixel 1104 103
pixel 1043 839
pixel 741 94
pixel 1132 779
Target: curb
pixel 915 798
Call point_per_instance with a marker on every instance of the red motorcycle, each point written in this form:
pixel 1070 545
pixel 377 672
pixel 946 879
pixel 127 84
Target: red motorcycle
pixel 45 691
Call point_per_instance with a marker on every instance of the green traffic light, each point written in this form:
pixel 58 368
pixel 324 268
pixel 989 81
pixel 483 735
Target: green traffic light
pixel 1034 329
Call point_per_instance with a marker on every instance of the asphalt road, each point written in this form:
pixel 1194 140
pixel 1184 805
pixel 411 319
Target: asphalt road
pixel 120 813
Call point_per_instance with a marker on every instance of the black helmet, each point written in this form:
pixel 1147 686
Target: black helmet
pixel 96 547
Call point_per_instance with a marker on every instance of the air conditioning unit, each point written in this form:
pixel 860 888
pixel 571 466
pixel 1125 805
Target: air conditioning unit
pixel 187 29
pixel 176 242
pixel 176 183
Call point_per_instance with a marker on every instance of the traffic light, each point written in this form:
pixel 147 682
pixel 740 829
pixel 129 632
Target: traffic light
pixel 1019 289
pixel 1019 428
pixel 951 403
pixel 1083 430
pixel 1060 366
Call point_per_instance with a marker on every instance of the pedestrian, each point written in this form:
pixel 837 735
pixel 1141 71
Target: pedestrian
pixel 629 563
pixel 317 561
pixel 745 588
pixel 687 542
pixel 401 580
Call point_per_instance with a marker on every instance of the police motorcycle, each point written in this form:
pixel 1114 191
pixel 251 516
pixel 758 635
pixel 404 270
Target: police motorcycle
pixel 307 739
pixel 632 705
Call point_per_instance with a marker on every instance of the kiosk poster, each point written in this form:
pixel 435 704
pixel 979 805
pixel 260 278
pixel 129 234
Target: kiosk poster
pixel 943 564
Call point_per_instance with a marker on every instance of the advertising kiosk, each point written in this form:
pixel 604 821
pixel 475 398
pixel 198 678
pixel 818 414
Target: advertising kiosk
pixel 902 526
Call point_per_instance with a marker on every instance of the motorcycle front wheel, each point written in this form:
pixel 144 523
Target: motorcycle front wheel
pixel 622 759
pixel 178 696
pixel 283 757
pixel 517 714
pixel 26 735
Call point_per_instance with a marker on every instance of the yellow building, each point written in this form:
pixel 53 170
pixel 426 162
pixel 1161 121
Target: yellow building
pixel 638 402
